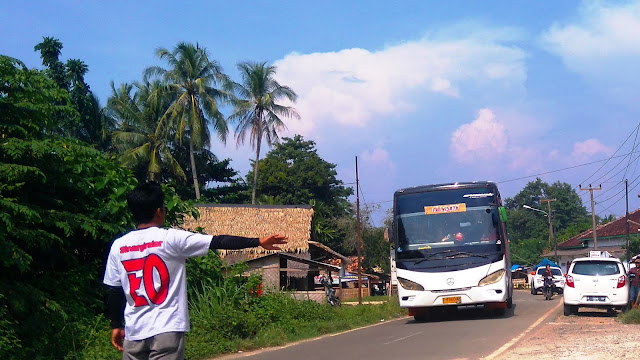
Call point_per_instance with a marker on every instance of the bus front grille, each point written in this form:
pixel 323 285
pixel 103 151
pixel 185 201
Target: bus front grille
pixel 450 290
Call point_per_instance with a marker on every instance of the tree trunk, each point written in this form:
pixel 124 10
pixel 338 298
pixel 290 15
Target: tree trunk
pixel 255 165
pixel 194 173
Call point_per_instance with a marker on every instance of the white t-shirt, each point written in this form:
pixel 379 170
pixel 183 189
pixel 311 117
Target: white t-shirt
pixel 149 265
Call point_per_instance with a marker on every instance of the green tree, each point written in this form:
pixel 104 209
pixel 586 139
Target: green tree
pixel 256 110
pixel 529 229
pixel 54 228
pixel 50 49
pixel 375 249
pixel 89 123
pixel 292 173
pixel 230 187
pixel 191 79
pixel 141 139
pixel 61 204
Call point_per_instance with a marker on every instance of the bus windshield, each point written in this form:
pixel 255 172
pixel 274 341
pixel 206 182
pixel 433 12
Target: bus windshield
pixel 448 219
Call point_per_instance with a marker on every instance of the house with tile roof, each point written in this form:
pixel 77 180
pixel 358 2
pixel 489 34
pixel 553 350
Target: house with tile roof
pixel 610 237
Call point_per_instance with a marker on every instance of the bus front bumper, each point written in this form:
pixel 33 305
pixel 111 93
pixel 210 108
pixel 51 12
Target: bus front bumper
pixel 494 295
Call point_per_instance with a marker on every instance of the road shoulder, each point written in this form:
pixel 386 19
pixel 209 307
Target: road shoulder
pixel 592 334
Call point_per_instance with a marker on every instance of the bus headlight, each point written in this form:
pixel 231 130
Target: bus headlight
pixel 410 285
pixel 492 278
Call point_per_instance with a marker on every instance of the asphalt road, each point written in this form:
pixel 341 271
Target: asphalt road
pixel 468 333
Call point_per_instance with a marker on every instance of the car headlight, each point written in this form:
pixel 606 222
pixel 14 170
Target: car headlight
pixel 410 285
pixel 492 278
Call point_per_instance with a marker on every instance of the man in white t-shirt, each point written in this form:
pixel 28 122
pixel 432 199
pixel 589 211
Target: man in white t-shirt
pixel 146 277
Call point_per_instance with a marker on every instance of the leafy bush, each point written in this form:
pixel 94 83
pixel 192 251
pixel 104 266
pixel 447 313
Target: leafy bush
pixel 62 202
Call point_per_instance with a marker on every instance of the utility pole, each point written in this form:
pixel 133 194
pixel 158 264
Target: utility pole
pixel 551 234
pixel 590 189
pixel 359 245
pixel 626 192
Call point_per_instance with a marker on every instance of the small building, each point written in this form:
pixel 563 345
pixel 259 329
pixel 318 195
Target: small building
pixel 611 237
pixel 292 268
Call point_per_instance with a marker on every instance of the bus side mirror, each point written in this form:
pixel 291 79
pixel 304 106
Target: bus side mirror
pixel 503 214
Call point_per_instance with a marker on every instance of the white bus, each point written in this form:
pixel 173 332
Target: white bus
pixel 451 247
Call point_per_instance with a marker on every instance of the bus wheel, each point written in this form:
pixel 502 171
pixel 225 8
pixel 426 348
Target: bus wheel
pixel 421 317
pixel 510 302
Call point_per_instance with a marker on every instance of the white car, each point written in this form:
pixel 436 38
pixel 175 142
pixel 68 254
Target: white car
pixel 537 282
pixel 599 282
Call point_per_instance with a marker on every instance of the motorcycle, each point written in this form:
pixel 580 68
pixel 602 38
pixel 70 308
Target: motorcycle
pixel 332 298
pixel 548 288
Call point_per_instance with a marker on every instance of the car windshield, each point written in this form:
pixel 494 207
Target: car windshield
pixel 595 268
pixel 553 271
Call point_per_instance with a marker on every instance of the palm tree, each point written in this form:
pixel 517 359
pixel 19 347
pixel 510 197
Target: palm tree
pixel 256 111
pixel 50 49
pixel 142 139
pixel 191 79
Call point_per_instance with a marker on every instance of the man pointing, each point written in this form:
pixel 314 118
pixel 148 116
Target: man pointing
pixel 146 277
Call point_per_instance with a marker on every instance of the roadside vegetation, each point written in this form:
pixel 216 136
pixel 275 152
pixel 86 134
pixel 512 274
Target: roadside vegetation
pixel 630 317
pixel 231 315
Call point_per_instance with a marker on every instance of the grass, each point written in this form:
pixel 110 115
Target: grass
pixel 228 317
pixel 280 320
pixel 630 317
pixel 371 298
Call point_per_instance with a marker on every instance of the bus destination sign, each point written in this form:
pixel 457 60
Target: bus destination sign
pixel 445 209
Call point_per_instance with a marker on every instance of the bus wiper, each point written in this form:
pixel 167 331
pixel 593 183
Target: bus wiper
pixel 429 256
pixel 464 254
pixel 451 254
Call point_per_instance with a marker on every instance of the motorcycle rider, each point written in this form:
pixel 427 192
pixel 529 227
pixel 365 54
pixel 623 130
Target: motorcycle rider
pixel 330 292
pixel 547 278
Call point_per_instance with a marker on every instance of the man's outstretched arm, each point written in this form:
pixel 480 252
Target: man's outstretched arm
pixel 230 242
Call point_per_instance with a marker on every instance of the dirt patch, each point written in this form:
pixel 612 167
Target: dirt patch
pixel 592 334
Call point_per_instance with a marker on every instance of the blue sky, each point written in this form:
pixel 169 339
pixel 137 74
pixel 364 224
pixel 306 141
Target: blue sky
pixel 421 92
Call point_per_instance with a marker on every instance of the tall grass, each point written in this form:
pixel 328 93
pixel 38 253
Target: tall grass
pixel 227 316
pixel 630 317
pixel 230 324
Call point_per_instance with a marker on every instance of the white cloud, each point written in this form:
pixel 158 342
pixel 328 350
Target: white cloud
pixel 354 87
pixel 604 43
pixel 378 159
pixel 587 149
pixel 481 139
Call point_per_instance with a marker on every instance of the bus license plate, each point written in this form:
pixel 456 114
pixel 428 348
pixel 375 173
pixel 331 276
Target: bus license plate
pixel 452 300
pixel 595 298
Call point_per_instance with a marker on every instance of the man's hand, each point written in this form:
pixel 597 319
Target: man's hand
pixel 117 338
pixel 270 242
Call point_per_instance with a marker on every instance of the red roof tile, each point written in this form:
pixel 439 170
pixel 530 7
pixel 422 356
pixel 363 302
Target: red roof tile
pixel 617 227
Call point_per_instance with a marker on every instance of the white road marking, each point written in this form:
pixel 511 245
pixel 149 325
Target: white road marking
pixel 515 339
pixel 402 338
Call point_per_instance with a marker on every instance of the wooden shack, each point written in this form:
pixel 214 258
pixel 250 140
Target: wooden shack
pixel 292 268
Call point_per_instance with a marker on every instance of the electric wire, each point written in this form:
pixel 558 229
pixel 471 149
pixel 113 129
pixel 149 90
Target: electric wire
pixel 557 170
pixel 622 196
pixel 635 144
pixel 617 182
pixel 612 156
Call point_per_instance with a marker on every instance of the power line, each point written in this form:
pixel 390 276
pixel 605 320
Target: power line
pixel 635 144
pixel 612 156
pixel 617 182
pixel 621 196
pixel 613 168
pixel 558 170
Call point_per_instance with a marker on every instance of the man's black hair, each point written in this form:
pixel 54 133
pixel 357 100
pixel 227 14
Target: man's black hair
pixel 144 200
